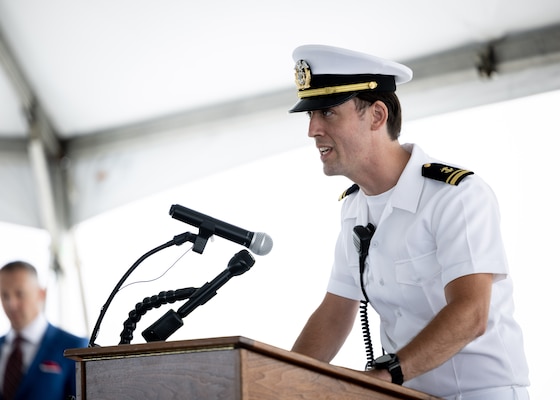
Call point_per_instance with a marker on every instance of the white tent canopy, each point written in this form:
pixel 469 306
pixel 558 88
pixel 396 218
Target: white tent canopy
pixel 106 102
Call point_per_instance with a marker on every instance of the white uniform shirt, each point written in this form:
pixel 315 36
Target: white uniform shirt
pixel 429 234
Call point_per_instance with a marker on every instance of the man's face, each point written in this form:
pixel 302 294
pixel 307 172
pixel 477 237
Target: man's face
pixel 342 137
pixel 22 297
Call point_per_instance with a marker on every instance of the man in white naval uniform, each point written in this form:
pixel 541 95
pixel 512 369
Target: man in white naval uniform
pixel 435 270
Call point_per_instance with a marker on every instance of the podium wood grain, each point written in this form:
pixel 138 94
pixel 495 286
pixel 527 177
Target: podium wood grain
pixel 229 368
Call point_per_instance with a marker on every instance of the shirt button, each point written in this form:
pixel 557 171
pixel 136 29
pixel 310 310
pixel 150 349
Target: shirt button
pixel 381 282
pixel 374 244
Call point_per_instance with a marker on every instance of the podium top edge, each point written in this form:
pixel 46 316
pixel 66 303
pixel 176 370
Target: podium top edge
pixel 87 353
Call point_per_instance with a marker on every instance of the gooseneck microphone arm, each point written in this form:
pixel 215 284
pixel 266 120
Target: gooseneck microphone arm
pixel 177 241
pixel 173 320
pixel 141 308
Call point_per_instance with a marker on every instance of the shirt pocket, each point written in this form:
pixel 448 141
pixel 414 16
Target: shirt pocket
pixel 419 280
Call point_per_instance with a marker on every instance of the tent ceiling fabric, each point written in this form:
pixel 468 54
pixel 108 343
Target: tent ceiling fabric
pixel 98 65
pixel 189 88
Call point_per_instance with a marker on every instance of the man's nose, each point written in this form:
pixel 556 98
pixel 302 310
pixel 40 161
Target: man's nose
pixel 315 126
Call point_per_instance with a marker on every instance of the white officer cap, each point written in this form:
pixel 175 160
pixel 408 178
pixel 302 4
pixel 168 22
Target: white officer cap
pixel 328 76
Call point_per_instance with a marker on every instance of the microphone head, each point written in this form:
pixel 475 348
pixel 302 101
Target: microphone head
pixel 261 244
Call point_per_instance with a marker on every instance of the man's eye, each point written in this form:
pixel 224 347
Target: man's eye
pixel 322 113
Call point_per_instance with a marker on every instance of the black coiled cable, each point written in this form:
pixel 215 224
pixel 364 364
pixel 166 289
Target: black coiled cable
pixel 366 335
pixel 149 303
pixel 362 238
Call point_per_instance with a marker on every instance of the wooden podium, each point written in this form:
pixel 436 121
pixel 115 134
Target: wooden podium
pixel 229 368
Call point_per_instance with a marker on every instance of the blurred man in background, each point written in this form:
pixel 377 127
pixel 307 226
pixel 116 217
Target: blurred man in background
pixel 32 362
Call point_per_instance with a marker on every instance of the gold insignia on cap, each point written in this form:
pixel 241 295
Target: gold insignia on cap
pixel 303 75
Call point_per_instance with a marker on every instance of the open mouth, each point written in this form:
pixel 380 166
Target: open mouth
pixel 324 150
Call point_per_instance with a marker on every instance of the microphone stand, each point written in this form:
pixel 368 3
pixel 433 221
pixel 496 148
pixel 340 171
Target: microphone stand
pixel 198 240
pixel 173 320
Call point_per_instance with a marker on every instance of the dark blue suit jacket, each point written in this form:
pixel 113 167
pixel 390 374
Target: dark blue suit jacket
pixel 51 376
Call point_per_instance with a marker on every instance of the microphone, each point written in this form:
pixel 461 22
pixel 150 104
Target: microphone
pixel 173 320
pixel 258 242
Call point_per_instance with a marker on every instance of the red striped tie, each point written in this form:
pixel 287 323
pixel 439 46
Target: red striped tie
pixel 14 372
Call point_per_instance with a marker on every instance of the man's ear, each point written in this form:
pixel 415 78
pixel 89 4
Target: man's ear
pixel 379 114
pixel 43 294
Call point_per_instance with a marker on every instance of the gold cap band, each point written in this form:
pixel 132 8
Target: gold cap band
pixel 354 87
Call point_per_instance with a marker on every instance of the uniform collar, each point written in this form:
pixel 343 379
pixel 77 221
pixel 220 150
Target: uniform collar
pixel 406 195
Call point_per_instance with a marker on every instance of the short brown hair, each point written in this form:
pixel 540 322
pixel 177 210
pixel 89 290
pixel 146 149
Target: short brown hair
pixel 394 120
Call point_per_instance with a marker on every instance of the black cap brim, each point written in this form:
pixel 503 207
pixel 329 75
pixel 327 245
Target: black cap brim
pixel 321 102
